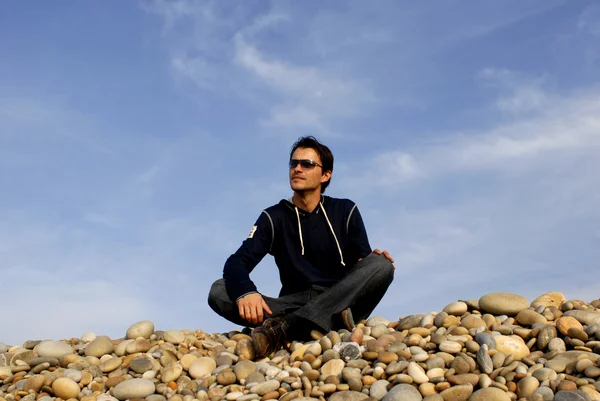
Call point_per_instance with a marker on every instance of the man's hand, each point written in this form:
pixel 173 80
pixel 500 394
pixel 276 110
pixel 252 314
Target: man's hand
pixel 251 308
pixel 384 253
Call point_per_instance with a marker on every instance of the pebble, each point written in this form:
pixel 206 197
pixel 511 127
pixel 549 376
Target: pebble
pixel 548 299
pixel 512 345
pixel 133 388
pixel 456 308
pixel 53 349
pixel 174 336
pixel 489 394
pixel 202 367
pixel 143 329
pixel 101 345
pixel 416 372
pixel 403 392
pixel 65 388
pixel 503 303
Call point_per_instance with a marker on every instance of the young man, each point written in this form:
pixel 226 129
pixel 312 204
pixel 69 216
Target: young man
pixel 329 274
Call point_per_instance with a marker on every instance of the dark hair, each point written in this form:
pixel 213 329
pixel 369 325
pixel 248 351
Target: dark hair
pixel 322 150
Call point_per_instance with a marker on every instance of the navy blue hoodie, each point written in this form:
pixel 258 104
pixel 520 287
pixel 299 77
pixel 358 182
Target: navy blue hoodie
pixel 309 248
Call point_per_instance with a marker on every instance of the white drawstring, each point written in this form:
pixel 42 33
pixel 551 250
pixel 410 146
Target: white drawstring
pixel 333 232
pixel 300 229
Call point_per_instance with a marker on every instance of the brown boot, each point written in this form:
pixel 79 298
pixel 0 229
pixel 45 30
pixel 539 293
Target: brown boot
pixel 347 319
pixel 269 337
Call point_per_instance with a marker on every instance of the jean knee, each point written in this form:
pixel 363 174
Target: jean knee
pixel 216 293
pixel 382 266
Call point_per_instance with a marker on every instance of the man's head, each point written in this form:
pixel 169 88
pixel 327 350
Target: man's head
pixel 311 165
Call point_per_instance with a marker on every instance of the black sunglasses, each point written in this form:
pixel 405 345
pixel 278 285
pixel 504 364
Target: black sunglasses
pixel 306 164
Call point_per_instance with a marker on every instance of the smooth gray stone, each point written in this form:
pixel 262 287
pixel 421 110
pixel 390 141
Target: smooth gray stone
pixel 403 392
pixel 572 396
pixel 546 393
pixel 484 360
pixel 487 339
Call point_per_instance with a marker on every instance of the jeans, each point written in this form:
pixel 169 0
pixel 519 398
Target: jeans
pixel 360 290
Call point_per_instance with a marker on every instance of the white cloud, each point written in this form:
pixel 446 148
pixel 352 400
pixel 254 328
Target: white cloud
pixel 308 95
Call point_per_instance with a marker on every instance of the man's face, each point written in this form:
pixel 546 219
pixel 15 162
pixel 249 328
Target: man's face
pixel 307 179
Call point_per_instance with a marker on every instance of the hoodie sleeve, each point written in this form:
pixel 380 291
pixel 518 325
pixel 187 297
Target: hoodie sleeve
pixel 238 266
pixel 357 235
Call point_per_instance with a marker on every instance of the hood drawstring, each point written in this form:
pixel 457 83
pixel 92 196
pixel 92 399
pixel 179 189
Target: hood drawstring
pixel 300 229
pixel 330 227
pixel 334 237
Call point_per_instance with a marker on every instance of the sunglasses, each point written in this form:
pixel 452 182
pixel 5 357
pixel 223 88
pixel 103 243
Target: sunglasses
pixel 306 164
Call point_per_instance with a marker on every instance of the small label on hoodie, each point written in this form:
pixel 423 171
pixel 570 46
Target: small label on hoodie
pixel 252 231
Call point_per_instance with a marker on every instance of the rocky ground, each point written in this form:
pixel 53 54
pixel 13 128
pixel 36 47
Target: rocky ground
pixel 497 348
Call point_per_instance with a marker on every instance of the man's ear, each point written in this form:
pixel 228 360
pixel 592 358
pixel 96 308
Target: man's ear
pixel 326 176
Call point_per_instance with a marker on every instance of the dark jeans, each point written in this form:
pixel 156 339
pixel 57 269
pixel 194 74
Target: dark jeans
pixel 361 290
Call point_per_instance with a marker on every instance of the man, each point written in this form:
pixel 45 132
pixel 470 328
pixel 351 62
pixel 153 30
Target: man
pixel 329 274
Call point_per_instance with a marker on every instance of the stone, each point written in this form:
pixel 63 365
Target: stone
pixel 584 317
pixel 144 329
pixel 333 368
pixel 571 396
pixel 345 396
pixel 512 345
pixel 171 372
pixel 242 369
pixel 409 322
pixel 564 323
pixel 546 334
pixel 470 378
pixel 489 394
pixel 503 303
pixel 34 383
pixel 417 373
pixel 451 347
pixel 88 337
pixel 202 367
pixel 244 349
pixel 53 349
pixel 379 389
pixel 102 345
pixel 133 388
pixel 549 299
pixel 484 361
pixel 140 364
pixel 526 386
pixel 265 387
pixel 137 345
pixel 461 392
pixel 226 378
pixel 545 392
pixel 403 392
pixel 110 364
pixel 485 338
pixel 376 321
pixel 174 336
pixel 65 388
pixel 472 322
pixel 456 308
pixel 528 317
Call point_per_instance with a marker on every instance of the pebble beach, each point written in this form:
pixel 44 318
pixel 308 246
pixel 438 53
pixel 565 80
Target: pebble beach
pixel 499 347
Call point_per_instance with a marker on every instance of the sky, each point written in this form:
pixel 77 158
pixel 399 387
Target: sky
pixel 140 141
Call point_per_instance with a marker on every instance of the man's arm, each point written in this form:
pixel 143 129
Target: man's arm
pixel 357 235
pixel 238 267
pixel 359 242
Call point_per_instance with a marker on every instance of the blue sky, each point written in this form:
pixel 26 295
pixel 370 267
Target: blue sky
pixel 139 142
